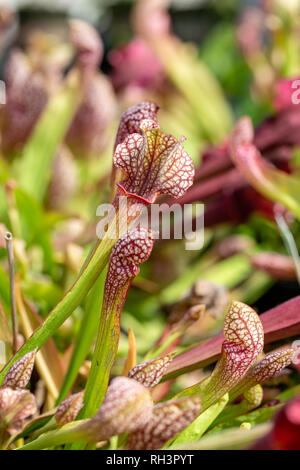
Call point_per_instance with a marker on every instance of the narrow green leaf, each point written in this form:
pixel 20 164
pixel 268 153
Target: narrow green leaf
pixel 105 351
pixel 229 439
pixel 73 298
pixel 92 268
pixel 229 414
pixel 196 429
pixel 86 335
pixel 289 393
pixel 198 86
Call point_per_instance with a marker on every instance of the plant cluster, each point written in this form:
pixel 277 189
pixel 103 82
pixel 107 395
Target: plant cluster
pixel 129 341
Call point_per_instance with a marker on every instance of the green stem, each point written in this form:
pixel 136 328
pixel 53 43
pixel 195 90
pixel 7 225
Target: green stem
pixel 73 298
pixel 198 427
pixel 104 355
pixel 85 337
pixel 107 336
pixel 69 433
pixel 231 439
pixel 68 304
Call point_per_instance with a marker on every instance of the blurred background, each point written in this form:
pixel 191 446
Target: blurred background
pixel 206 63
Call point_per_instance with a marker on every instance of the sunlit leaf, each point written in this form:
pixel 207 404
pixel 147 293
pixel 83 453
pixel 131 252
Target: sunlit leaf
pixel 196 429
pixel 128 253
pixel 86 335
